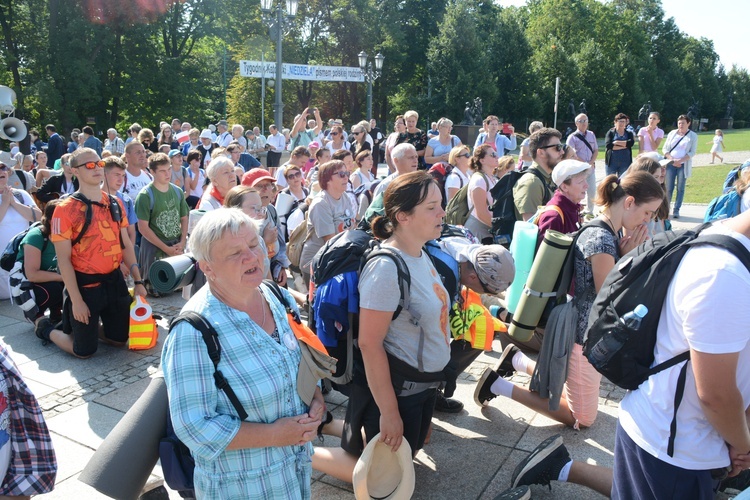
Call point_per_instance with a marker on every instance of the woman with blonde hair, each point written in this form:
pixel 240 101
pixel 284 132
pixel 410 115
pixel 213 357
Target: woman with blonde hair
pixel 438 148
pixel 458 158
pixel 416 137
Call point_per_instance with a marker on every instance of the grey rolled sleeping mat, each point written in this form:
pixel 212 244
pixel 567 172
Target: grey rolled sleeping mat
pixel 122 464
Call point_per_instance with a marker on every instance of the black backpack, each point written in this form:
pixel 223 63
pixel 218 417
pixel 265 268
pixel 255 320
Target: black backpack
pixel 643 277
pixel 177 463
pixel 10 254
pixel 504 209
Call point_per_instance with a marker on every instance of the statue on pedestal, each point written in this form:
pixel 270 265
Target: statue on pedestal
pixel 645 111
pixel 730 108
pixel 694 110
pixel 468 115
pixel 478 113
pixel 582 107
pixel 571 111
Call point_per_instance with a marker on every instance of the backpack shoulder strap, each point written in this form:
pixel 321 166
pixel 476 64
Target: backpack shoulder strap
pixel 211 339
pixel 89 214
pixel 22 177
pixel 727 243
pixel 402 272
pixel 548 191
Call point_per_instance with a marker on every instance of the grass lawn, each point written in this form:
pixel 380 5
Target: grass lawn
pixel 734 140
pixel 705 183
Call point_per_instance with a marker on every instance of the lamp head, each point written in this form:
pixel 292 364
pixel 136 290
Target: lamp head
pixel 362 60
pixel 291 7
pixel 379 58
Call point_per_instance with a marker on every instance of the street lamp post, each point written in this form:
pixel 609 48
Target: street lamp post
pixel 278 23
pixel 370 76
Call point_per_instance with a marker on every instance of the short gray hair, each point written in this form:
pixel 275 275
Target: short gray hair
pixel 445 121
pixel 534 126
pixel 213 226
pixel 400 150
pixel 112 131
pixel 216 164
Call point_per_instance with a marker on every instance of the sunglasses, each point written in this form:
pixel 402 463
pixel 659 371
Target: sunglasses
pixel 492 155
pixel 464 155
pixel 91 165
pixel 342 173
pixel 4 167
pixel 334 133
pixel 356 133
pixel 582 121
pixel 294 176
pixel 559 146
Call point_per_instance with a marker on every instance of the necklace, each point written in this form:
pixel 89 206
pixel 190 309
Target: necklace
pixel 609 221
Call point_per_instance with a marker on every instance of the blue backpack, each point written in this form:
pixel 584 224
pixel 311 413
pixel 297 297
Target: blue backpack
pixel 724 206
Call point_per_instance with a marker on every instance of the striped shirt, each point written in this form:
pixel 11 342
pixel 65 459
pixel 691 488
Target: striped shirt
pixel 263 374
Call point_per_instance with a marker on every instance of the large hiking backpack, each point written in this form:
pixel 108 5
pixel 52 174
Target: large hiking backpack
pixel 177 463
pixel 643 277
pixel 724 206
pixel 457 211
pixel 504 209
pixel 335 308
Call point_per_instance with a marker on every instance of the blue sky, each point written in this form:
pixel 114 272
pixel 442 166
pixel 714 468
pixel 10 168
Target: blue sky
pixel 723 21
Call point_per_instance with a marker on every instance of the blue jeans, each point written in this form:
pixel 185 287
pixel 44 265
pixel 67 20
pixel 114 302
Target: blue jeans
pixel 614 169
pixel 678 173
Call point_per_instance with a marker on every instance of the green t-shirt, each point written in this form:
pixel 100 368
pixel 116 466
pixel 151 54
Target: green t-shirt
pixel 35 238
pixel 169 208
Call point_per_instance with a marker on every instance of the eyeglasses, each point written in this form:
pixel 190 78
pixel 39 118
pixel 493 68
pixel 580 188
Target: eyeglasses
pixel 559 146
pixel 492 155
pixel 582 121
pixel 356 133
pixel 464 155
pixel 4 167
pixel 334 133
pixel 342 173
pixel 263 187
pixel 91 165
pixel 258 210
pixel 293 176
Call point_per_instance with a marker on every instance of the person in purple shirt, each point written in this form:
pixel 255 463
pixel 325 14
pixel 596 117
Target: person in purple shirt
pixel 583 142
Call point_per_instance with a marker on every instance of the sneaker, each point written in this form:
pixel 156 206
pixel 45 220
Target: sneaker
pixel 43 329
pixel 543 465
pixel 482 393
pixel 505 366
pixel 447 405
pixel 520 493
pixel 676 215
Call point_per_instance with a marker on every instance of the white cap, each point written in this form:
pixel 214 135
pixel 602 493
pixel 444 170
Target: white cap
pixel 566 169
pixel 206 134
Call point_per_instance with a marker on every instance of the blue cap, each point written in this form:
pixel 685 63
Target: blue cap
pixel 174 152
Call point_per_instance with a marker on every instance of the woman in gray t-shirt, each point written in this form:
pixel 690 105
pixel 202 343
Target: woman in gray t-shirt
pixel 394 350
pixel 330 213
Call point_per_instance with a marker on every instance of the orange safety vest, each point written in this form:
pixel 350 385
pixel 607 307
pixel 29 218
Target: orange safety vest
pixel 474 322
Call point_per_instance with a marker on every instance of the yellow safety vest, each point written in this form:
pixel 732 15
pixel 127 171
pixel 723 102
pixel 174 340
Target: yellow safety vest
pixel 474 322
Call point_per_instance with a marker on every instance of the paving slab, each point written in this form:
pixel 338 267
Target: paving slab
pixel 87 424
pixel 122 399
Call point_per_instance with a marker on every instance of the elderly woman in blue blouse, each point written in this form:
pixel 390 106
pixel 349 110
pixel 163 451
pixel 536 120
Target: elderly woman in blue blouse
pixel 268 455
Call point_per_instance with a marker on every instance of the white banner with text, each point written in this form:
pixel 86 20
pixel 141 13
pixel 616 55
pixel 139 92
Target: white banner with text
pixel 258 69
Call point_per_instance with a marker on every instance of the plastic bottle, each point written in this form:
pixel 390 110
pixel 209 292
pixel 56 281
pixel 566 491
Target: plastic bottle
pixel 612 341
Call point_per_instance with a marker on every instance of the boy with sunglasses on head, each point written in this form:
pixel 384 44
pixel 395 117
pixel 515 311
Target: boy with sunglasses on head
pixel 89 231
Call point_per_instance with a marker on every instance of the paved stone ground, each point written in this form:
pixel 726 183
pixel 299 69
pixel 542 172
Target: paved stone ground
pixel 472 454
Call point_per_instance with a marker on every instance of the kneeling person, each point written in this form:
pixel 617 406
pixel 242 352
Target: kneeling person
pixel 89 256
pixel 162 216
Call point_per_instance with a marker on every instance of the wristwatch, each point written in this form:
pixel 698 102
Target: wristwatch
pixel 138 282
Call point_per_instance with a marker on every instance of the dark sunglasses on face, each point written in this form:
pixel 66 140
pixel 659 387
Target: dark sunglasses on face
pixel 294 175
pixel 464 155
pixel 342 173
pixel 4 167
pixel 559 146
pixel 334 133
pixel 492 155
pixel 91 165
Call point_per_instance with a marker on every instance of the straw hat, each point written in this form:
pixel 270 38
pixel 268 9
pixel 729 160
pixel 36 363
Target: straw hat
pixel 382 474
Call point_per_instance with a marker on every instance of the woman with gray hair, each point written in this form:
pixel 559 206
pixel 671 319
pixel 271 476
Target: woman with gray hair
pixel 266 454
pixel 220 173
pixel 438 148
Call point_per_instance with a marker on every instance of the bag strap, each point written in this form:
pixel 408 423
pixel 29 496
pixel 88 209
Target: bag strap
pixel 584 141
pixel 569 264
pixel 677 143
pixel 548 191
pixel 211 339
pixel 678 393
